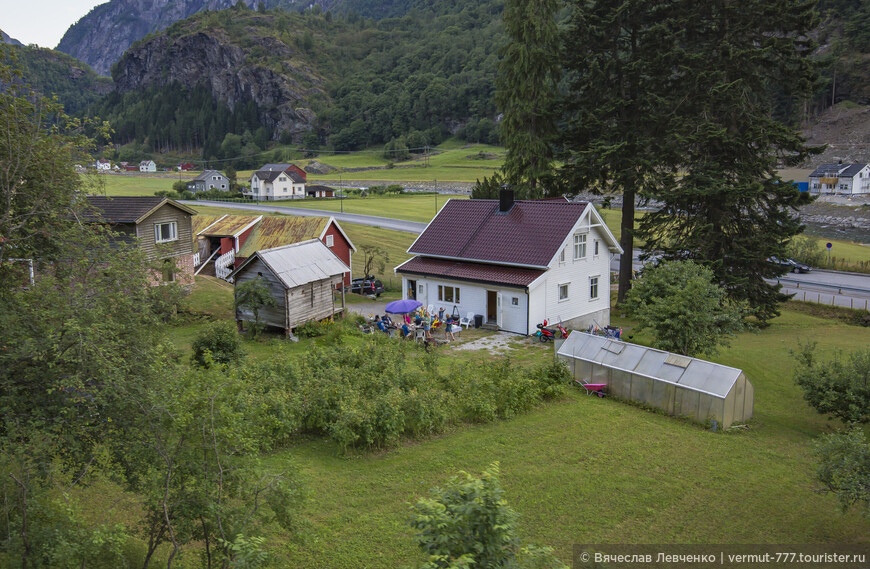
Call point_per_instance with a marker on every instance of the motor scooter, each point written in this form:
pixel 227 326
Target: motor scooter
pixel 544 334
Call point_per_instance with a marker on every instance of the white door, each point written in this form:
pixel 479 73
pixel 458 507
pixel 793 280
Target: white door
pixel 498 310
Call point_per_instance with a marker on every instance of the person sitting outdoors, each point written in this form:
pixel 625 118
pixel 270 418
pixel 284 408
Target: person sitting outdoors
pixel 406 330
pixel 382 326
pixel 388 321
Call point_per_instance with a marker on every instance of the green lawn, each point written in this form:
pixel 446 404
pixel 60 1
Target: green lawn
pixel 586 470
pixel 136 184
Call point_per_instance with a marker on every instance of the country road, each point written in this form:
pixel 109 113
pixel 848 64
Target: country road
pixel 414 227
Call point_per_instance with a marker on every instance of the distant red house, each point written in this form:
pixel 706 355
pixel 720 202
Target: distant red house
pixel 131 168
pixel 186 167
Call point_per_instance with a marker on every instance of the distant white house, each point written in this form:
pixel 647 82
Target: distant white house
pixel 147 166
pixel 103 165
pixel 277 182
pixel 841 179
pixel 515 263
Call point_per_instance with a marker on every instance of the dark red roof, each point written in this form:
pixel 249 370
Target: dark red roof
pixel 474 230
pixel 465 271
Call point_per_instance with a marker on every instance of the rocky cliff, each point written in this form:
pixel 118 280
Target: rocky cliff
pixel 104 34
pixel 208 57
pixel 100 37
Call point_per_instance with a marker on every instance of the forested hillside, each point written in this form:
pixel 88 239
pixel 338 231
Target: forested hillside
pixel 314 78
pixel 55 73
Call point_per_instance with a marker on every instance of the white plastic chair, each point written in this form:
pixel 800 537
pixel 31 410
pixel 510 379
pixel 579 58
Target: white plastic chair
pixel 430 309
pixel 467 321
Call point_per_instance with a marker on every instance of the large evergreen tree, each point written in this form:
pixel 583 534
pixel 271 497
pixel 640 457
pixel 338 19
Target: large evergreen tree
pixel 730 209
pixel 526 91
pixel 617 106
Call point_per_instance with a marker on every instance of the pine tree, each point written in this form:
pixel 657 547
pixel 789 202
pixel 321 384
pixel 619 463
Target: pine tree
pixel 730 209
pixel 616 113
pixel 526 91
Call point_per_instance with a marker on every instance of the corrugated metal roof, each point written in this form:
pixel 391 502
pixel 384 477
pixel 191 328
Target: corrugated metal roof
pixel 699 375
pixel 276 231
pixel 301 263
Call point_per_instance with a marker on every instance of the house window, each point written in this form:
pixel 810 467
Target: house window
pixel 164 232
pixel 515 301
pixel 593 288
pixel 448 294
pixel 563 291
pixel 595 248
pixel 282 179
pixel 330 240
pixel 223 186
pixel 579 246
pixel 562 256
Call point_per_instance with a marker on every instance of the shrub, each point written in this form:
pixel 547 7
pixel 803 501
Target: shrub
pixel 311 329
pixel 218 343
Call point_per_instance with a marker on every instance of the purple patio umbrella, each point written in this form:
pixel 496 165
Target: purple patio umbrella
pixel 403 306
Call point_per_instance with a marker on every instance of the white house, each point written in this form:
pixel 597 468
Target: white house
pixel 516 263
pixel 103 165
pixel 147 166
pixel 277 182
pixel 843 179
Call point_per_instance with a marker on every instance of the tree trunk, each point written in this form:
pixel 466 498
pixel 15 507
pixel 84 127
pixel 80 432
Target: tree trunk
pixel 626 240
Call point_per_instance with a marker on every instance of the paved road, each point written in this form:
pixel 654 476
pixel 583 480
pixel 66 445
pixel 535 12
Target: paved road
pixel 414 227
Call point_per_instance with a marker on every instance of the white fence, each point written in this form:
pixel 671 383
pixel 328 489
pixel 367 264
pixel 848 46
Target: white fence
pixel 223 266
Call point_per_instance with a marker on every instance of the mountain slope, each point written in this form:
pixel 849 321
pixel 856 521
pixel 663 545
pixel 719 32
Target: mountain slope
pixel 104 34
pixel 51 72
pixel 296 74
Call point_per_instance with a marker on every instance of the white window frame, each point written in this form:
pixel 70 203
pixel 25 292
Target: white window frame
pixel 595 248
pixel 330 240
pixel 562 255
pixel 579 246
pixel 567 296
pixel 454 294
pixel 594 287
pixel 173 232
pixel 515 301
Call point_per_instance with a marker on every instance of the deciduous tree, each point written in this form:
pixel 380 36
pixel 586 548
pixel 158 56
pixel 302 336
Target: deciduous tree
pixel 688 313
pixel 839 387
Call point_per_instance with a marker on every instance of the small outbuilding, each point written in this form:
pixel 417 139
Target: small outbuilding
pixel 678 385
pixel 302 278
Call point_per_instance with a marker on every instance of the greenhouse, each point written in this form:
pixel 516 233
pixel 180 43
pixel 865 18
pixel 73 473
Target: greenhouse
pixel 679 385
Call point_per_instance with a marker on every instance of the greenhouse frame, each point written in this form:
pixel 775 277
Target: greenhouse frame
pixel 678 385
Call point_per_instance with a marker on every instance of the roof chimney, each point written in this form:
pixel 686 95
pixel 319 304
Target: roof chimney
pixel 505 200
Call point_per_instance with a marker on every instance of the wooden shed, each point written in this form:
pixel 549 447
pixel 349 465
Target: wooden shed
pixel 302 278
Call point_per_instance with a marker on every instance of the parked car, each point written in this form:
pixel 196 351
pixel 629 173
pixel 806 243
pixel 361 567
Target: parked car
pixel 367 285
pixel 790 265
